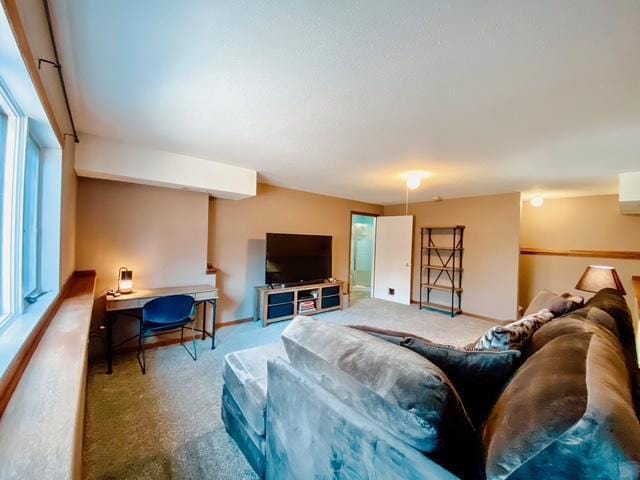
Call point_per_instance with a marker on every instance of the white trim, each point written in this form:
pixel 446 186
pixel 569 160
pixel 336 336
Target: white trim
pixel 17 130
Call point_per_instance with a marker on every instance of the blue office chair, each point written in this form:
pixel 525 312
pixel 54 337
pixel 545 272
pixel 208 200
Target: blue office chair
pixel 163 315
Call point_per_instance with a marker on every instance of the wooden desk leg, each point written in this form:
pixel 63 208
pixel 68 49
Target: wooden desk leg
pixel 109 344
pixel 214 304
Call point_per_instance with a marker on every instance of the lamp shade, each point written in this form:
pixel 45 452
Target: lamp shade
pixel 125 280
pixel 597 277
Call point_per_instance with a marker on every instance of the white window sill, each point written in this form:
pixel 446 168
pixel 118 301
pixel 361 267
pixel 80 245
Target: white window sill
pixel 17 329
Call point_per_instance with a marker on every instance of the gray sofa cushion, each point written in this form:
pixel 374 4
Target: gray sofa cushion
pixel 313 436
pixel 567 413
pixel 245 376
pixel 615 305
pixel 252 445
pixel 478 375
pixel 400 390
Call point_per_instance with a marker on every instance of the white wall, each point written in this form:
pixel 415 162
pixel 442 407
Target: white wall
pixel 99 157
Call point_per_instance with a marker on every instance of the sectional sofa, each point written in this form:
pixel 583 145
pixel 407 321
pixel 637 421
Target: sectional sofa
pixel 336 402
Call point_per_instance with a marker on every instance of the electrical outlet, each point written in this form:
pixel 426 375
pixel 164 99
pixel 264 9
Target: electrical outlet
pixel 392 291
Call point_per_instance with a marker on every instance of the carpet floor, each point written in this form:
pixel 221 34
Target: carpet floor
pixel 166 424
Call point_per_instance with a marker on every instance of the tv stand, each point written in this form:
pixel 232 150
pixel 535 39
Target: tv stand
pixel 275 304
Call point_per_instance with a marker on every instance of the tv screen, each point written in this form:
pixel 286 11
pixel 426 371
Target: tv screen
pixel 295 258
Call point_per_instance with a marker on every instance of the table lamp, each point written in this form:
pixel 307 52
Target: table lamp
pixel 125 280
pixel 597 277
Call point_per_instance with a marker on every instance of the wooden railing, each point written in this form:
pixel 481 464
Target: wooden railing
pixel 619 254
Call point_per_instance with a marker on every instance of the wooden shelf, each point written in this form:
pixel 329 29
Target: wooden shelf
pixel 433 264
pixel 442 267
pixel 443 308
pixel 442 288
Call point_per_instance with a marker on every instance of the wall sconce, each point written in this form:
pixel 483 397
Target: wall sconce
pixel 125 280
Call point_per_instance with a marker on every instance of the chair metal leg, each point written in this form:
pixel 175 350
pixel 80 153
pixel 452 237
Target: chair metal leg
pixel 193 355
pixel 143 363
pixel 193 340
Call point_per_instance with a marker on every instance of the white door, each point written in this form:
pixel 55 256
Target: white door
pixel 394 241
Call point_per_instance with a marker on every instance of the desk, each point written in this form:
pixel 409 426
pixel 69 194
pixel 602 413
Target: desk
pixel 202 294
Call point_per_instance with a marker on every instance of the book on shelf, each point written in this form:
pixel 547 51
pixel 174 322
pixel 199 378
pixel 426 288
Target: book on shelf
pixel 306 306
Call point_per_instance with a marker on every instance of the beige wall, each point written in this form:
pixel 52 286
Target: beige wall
pixel 237 237
pixel 68 214
pixel 159 233
pixel 491 247
pixel 581 223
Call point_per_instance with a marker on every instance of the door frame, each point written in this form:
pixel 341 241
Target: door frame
pixel 373 261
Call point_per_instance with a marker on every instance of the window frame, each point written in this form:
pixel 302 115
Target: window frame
pixel 36 292
pixel 15 154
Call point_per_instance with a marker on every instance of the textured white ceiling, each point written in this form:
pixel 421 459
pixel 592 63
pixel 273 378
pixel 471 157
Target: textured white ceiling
pixel 342 97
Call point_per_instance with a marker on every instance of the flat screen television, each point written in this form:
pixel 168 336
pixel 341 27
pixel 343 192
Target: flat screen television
pixel 293 258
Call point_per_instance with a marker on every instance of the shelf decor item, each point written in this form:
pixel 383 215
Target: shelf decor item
pixel 441 268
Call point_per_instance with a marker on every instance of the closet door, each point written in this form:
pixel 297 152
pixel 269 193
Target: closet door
pixel 394 241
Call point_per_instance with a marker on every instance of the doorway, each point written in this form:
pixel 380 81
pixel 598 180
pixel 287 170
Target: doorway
pixel 362 257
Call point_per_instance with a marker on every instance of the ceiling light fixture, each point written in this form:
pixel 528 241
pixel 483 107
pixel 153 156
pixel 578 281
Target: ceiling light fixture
pixel 413 181
pixel 537 201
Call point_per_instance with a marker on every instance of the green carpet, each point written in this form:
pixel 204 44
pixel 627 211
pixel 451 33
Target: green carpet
pixel 166 424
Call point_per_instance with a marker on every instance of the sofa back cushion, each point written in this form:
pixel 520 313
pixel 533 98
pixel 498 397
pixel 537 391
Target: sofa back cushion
pixel 567 413
pixel 478 375
pixel 401 391
pixel 610 301
pixel 556 304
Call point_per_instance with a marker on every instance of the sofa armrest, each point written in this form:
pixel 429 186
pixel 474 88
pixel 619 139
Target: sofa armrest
pixel 312 434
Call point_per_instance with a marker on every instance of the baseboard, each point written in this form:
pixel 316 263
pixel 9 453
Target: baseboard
pixel 468 314
pixel 239 321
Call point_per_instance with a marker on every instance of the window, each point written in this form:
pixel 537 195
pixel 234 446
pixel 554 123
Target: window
pixel 29 211
pixel 30 206
pixel 3 149
pixel 31 223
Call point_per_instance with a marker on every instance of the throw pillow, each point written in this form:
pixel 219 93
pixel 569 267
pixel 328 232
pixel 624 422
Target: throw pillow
pixel 478 375
pixel 514 335
pixel 556 304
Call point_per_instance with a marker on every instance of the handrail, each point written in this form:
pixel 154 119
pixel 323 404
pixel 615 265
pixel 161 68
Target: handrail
pixel 619 254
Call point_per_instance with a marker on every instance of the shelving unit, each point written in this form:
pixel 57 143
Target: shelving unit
pixel 441 267
pixel 277 304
